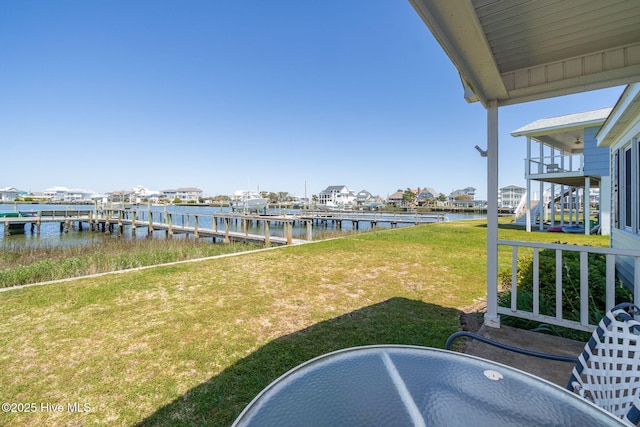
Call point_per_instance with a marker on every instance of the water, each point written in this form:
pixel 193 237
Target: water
pixel 51 236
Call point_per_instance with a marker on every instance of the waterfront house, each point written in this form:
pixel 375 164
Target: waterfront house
pixel 9 194
pixel 186 194
pixel 336 196
pixel 426 195
pixel 141 194
pixel 468 193
pixel 514 52
pixel 363 196
pixel 510 196
pixel 70 195
pixel 396 198
pixel 565 161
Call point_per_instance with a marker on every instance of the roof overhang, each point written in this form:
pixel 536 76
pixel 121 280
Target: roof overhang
pixel 566 132
pixel 518 51
pixel 627 108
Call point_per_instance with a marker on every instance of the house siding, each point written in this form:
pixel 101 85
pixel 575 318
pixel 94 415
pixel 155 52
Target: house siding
pixel 621 239
pixel 596 159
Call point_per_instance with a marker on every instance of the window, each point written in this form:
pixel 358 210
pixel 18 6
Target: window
pixel 627 165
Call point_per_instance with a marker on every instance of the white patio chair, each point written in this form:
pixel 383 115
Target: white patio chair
pixel 608 370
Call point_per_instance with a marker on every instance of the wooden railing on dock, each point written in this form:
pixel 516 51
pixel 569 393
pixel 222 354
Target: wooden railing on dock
pixel 114 220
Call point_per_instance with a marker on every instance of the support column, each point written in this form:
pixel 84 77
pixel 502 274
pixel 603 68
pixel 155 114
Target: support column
pixel 528 172
pixel 491 317
pixel 586 203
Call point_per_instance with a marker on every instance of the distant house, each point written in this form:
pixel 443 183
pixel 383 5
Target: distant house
pixel 9 194
pixel 509 196
pixel 426 195
pixel 140 194
pixel 468 193
pixel 396 198
pixel 620 134
pixel 187 194
pixel 363 197
pixel 70 195
pixel 336 196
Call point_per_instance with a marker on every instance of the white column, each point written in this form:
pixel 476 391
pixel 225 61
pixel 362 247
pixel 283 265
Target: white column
pixel 540 207
pixel 491 317
pixel 528 214
pixel 586 203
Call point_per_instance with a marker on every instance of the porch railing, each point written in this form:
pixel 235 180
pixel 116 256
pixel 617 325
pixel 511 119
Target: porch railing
pixel 610 255
pixel 554 164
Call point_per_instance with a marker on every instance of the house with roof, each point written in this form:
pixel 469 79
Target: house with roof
pixel 70 195
pixel 468 193
pixel 509 53
pixel 337 196
pixel 396 198
pixel 563 165
pixel 426 195
pixel 510 196
pixel 9 194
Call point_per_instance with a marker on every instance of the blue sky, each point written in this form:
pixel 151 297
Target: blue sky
pixel 285 95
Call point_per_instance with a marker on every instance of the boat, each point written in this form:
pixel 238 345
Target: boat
pixel 573 229
pixel 248 201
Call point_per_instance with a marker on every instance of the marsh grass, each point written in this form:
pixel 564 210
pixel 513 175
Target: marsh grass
pixel 191 344
pixel 22 266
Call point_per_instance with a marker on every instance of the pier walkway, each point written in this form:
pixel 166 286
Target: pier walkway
pixel 218 226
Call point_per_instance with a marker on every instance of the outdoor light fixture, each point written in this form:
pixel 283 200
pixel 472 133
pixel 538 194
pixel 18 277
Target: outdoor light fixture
pixel 482 152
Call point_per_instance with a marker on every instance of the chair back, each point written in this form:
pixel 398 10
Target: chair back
pixel 608 370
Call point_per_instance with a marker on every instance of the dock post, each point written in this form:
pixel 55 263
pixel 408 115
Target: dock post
pixel 133 224
pixel 6 228
pixel 169 220
pixel 38 226
pixel 150 227
pixel 267 234
pixel 244 227
pixel 196 235
pixel 309 230
pixel 226 230
pixel 289 229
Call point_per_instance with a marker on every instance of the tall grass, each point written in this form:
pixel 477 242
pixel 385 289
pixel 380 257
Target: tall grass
pixel 32 265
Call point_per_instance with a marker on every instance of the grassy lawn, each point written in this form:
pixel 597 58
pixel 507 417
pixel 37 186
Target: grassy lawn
pixel 191 344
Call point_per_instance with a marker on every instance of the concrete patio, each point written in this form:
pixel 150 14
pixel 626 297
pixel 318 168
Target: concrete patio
pixel 556 372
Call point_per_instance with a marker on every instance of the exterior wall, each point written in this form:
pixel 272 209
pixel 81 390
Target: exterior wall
pixel 624 265
pixel 596 159
pixel 621 236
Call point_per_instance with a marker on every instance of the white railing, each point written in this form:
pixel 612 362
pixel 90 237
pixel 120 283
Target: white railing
pixel 554 164
pixel 564 279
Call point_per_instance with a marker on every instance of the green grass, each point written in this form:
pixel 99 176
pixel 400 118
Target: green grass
pixel 191 344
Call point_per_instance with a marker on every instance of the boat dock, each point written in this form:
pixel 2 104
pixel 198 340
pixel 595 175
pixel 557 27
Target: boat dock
pixel 218 226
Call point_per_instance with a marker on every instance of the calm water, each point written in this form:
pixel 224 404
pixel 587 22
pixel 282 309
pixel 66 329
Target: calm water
pixel 51 236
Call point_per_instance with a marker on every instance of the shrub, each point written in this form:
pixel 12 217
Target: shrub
pixel 570 289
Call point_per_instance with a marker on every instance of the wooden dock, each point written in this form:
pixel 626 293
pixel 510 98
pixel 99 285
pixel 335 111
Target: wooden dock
pixel 114 221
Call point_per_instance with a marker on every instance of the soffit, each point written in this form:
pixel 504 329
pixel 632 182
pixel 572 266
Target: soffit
pixel 521 50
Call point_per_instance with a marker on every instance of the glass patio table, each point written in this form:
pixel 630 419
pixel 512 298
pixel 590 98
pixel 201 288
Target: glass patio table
pixel 396 385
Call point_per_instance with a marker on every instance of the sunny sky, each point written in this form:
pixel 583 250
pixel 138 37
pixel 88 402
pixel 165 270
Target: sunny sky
pixel 284 95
